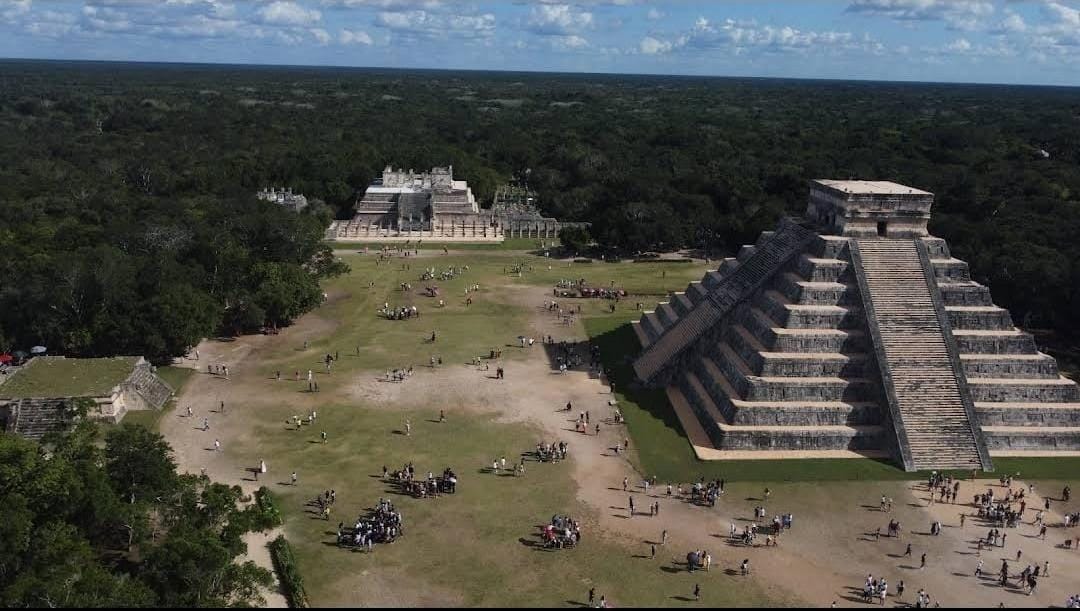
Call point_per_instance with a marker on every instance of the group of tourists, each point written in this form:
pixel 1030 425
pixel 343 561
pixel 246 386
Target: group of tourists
pixel 705 493
pixel 449 273
pixel 562 532
pixel 399 313
pixel 875 589
pixel 218 370
pixel 551 452
pixel 698 559
pixel 406 480
pixel 382 525
pixel 400 375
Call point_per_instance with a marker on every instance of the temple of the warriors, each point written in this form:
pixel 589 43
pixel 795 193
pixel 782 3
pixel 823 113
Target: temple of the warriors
pixel 410 205
pixel 852 330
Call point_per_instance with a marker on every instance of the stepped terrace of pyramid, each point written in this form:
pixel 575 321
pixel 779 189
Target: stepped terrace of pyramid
pixel 852 331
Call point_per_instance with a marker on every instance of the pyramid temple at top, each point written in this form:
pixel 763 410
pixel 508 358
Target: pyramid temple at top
pixel 853 329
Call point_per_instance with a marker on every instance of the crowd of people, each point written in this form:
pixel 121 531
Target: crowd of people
pixel 562 532
pixel 382 525
pixel 405 479
pixel 399 312
pixel 399 375
pixel 449 273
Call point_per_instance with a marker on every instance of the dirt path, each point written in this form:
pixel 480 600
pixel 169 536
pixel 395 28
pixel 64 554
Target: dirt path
pixel 824 558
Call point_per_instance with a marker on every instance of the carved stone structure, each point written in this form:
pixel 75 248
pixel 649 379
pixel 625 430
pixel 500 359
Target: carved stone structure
pixel 405 205
pixel 284 197
pixel 40 397
pixel 854 329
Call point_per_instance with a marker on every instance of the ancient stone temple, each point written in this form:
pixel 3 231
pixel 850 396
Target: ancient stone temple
pixel 853 329
pixel 416 205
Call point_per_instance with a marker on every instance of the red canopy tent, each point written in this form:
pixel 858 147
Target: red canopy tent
pixel 6 358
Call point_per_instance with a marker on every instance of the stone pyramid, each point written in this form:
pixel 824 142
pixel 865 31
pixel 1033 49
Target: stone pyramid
pixel 853 329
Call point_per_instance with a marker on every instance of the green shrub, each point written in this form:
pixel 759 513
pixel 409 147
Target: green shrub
pixel 285 565
pixel 265 513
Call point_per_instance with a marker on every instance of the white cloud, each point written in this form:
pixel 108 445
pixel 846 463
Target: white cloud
pixel 572 41
pixel 960 45
pixel 321 36
pixel 389 5
pixel 11 9
pixel 558 20
pixel 958 14
pixel 654 15
pixel 354 37
pixel 1012 24
pixel 742 36
pixel 288 14
pixel 425 24
pixel 653 46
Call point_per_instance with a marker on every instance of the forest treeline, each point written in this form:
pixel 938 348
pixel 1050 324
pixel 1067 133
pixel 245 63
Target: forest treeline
pixel 129 223
pixel 112 525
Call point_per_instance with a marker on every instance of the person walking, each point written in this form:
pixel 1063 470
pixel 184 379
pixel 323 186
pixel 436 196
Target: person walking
pixel 663 538
pixel 697 591
pixel 217 445
pixel 652 551
pixel 189 411
pixel 294 478
pixel 205 424
pixel 323 434
pixel 922 563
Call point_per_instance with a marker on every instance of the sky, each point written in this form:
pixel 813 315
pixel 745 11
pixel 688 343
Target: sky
pixel 991 41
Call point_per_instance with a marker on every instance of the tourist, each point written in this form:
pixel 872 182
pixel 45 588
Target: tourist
pixel 262 466
pixel 217 445
pixel 205 424
pixel 323 435
pixel 408 428
pixel 697 592
pixel 294 478
pixel 189 411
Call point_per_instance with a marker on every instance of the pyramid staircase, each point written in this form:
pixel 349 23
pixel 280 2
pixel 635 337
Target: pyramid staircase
pixel 790 364
pixel 930 406
pixel 150 386
pixel 672 334
pixel 786 370
pixel 35 418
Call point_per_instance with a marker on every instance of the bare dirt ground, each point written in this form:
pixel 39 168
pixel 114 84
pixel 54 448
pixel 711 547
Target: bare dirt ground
pixel 824 558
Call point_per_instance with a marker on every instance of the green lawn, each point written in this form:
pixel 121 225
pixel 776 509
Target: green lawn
pixel 492 321
pixel 663 449
pixel 175 377
pixel 53 376
pixel 522 244
pixel 475 547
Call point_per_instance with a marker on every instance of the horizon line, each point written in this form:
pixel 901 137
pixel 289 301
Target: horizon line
pixel 531 72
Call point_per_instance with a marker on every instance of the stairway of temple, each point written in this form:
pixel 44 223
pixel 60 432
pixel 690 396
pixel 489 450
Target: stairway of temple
pixel 718 295
pixel 864 336
pixel 917 368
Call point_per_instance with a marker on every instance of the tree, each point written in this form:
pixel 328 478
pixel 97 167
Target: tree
pixel 139 463
pixel 575 239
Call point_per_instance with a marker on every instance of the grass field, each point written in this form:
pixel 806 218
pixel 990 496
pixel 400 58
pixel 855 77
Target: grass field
pixel 460 328
pixel 522 244
pixel 475 547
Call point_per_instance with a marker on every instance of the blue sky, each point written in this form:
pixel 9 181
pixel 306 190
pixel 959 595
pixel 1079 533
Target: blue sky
pixel 999 41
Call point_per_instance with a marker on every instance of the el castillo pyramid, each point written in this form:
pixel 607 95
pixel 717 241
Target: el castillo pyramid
pixel 853 329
